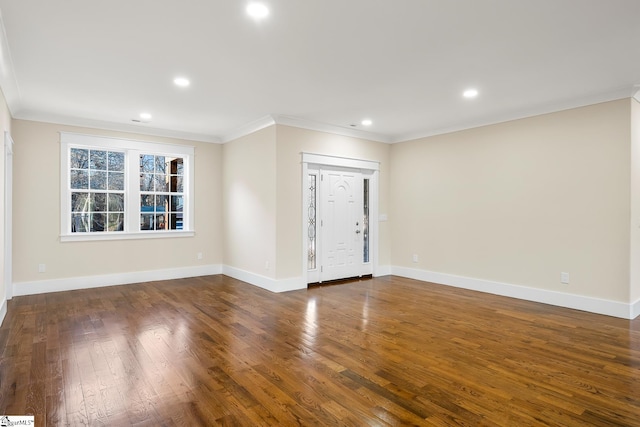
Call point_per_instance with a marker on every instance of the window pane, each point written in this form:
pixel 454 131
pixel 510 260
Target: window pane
pixel 161 222
pixel 97 222
pixel 79 223
pixel 116 181
pixel 161 203
pixel 116 202
pixel 147 203
pixel 179 186
pixel 146 222
pixel 176 221
pixel 161 183
pixel 146 163
pixel 146 182
pixel 98 180
pixel 79 179
pixel 79 202
pixel 79 158
pixel 365 225
pixel 177 167
pixel 311 223
pixel 161 167
pixel 98 160
pixel 176 184
pixel 116 222
pixel 177 203
pixel 116 161
pixel 98 202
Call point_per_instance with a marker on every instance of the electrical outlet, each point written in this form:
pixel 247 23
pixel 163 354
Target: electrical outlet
pixel 42 268
pixel 415 257
pixel 266 265
pixel 564 278
pixel 199 255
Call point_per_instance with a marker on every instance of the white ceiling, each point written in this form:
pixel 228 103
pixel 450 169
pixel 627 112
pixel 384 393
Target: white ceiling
pixel 327 63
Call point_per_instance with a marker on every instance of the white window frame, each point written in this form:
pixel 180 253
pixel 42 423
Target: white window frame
pixel 132 149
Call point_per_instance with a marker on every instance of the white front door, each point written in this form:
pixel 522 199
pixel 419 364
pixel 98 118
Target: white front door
pixel 341 223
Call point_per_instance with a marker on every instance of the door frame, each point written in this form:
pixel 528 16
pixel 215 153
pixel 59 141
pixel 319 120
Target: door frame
pixel 370 169
pixel 8 215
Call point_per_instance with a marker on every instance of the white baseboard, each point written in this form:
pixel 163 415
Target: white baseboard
pixel 635 310
pixel 561 299
pixel 87 282
pixel 3 310
pixel 579 302
pixel 382 270
pixel 273 285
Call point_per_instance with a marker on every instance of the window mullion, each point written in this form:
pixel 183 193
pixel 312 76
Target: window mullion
pixel 132 205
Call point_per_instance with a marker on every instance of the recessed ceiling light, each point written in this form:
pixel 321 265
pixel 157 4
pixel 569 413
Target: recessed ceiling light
pixel 181 81
pixel 257 10
pixel 470 93
pixel 366 122
pixel 145 116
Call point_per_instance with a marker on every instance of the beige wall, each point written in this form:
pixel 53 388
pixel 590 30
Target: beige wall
pixel 520 202
pixel 291 142
pixel 634 291
pixel 249 202
pixel 5 126
pixel 36 214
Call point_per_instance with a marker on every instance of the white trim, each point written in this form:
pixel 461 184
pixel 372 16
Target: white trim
pixel 140 129
pixel 8 215
pixel 338 161
pixel 621 93
pixel 3 310
pixel 273 285
pixel 561 299
pixel 382 270
pixel 8 81
pixel 248 129
pixel 131 149
pixel 332 129
pixel 635 310
pixel 91 237
pixel 368 167
pixel 111 142
pixel 88 282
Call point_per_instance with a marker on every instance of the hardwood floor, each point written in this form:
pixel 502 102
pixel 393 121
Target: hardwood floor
pixel 385 351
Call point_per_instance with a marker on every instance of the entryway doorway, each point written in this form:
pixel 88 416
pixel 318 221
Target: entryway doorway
pixel 340 201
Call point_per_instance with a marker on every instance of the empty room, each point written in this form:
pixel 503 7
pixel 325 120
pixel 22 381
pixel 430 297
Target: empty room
pixel 328 213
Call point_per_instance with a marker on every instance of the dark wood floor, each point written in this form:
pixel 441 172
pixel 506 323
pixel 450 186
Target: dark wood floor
pixel 386 351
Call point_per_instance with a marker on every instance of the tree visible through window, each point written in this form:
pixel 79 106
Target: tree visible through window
pixel 114 188
pixel 161 192
pixel 97 190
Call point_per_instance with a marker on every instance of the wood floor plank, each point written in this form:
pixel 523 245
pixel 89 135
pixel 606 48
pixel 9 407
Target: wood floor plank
pixel 386 351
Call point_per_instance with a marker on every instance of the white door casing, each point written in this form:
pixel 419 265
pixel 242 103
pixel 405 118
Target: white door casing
pixel 8 219
pixel 344 254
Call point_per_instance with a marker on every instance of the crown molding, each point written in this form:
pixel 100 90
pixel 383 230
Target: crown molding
pixel 620 93
pixel 117 127
pixel 249 128
pixel 8 81
pixel 336 130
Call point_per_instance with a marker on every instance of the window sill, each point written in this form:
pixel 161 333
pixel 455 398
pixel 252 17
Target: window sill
pixel 90 237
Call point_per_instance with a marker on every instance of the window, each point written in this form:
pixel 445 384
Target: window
pixel 118 189
pixel 97 190
pixel 161 192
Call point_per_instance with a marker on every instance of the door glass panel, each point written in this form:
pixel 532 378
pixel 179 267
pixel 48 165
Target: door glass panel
pixel 311 223
pixel 365 222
